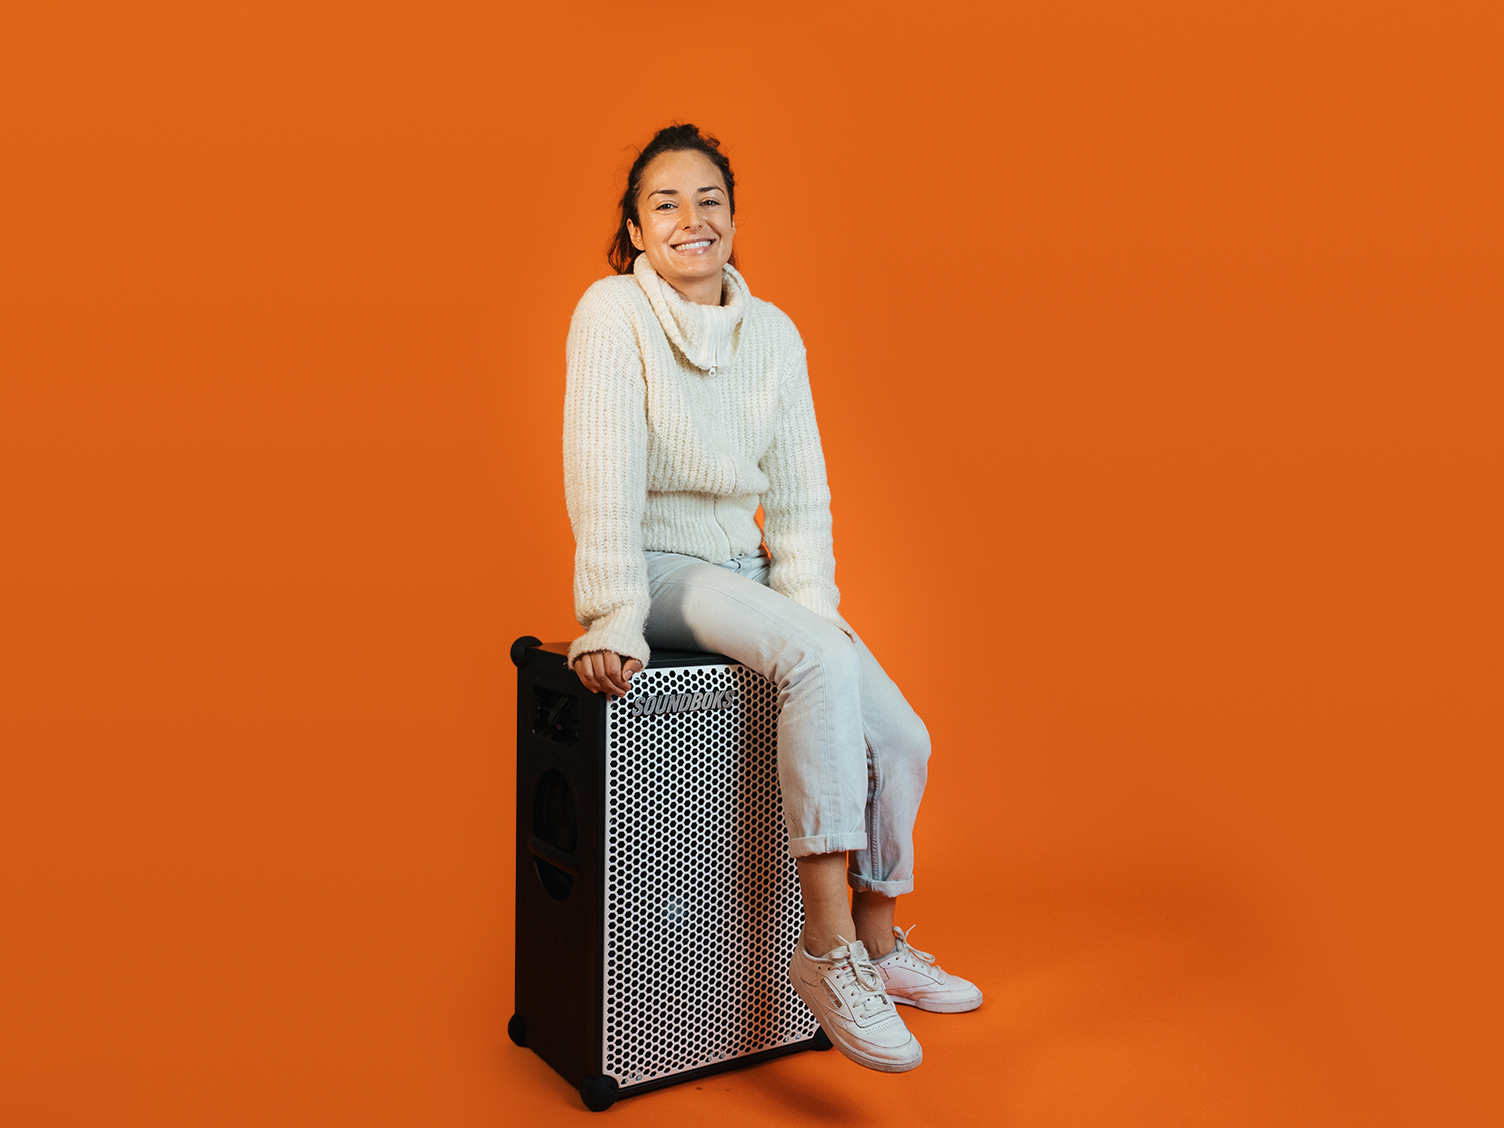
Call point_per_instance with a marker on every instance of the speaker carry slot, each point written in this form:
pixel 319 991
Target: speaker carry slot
pixel 555 834
pixel 555 857
pixel 556 716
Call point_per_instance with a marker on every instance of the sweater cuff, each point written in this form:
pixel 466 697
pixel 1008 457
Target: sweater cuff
pixel 620 631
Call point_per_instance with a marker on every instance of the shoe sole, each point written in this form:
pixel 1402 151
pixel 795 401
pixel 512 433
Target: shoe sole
pixel 937 1008
pixel 882 1065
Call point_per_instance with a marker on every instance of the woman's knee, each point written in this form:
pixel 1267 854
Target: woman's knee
pixel 909 747
pixel 824 654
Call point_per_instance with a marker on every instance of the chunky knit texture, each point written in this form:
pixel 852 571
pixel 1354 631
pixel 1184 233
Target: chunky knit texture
pixel 679 419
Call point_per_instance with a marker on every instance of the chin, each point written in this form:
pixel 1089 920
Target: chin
pixel 697 270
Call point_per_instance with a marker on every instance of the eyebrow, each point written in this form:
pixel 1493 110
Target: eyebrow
pixel 675 191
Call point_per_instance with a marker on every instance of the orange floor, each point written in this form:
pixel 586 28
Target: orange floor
pixel 1105 1006
pixel 1116 1003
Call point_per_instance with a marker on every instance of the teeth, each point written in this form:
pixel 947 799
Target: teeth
pixel 693 246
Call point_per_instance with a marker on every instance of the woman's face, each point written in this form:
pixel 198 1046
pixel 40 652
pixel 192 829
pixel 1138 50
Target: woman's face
pixel 686 227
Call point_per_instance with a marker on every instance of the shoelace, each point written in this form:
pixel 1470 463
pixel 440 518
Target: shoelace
pixel 903 937
pixel 869 984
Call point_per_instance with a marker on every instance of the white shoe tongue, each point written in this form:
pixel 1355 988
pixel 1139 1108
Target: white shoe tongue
pixel 858 950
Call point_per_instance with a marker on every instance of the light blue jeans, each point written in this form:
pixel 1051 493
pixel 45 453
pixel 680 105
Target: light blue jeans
pixel 852 753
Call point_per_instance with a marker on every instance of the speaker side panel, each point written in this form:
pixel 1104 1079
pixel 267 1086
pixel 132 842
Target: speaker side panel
pixel 560 743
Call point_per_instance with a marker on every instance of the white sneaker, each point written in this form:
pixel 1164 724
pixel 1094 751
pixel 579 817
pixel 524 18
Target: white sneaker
pixel 914 978
pixel 845 993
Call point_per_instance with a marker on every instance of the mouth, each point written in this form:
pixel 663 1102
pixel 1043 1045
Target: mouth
pixel 694 247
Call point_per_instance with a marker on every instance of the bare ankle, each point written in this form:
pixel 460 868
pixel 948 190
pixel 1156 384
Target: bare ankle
pixel 816 945
pixel 827 911
pixel 824 936
pixel 873 914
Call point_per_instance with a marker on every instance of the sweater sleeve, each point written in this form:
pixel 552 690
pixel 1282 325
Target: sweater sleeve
pixel 605 477
pixel 797 502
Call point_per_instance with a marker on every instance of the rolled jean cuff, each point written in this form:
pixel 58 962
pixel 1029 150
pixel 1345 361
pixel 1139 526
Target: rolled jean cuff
pixel 886 888
pixel 827 844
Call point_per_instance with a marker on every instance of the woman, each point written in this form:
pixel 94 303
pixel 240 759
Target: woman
pixel 688 405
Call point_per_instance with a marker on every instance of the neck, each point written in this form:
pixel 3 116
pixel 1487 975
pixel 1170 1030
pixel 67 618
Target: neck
pixel 704 292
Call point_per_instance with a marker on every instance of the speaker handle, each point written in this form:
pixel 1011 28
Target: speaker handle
pixel 520 648
pixel 552 855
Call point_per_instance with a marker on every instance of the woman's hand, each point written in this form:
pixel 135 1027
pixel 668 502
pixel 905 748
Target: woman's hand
pixel 603 671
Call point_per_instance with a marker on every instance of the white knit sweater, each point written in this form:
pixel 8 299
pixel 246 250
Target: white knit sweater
pixel 678 420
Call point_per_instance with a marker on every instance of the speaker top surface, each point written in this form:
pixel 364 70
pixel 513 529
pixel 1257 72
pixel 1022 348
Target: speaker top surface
pixel 660 659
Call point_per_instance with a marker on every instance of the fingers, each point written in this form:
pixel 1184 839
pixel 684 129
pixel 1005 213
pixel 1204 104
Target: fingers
pixel 624 675
pixel 602 671
pixel 619 673
pixel 584 666
pixel 611 678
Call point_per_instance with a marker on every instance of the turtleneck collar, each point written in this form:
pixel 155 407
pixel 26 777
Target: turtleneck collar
pixel 706 335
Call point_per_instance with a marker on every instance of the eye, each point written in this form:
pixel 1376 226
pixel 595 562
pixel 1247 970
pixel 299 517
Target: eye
pixel 665 204
pixel 709 200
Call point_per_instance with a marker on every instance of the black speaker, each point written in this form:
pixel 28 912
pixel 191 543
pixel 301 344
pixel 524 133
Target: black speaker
pixel 657 904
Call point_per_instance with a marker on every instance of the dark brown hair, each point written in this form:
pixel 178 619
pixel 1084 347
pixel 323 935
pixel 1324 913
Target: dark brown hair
pixel 675 138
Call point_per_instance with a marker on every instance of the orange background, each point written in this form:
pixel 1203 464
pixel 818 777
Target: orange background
pixel 1156 351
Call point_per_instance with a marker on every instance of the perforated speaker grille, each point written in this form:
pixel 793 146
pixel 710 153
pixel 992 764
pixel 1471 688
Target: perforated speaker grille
pixel 702 898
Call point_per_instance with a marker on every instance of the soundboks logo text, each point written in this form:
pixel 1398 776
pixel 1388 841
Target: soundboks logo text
pixel 683 703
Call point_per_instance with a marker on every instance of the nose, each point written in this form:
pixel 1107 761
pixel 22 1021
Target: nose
pixel 691 218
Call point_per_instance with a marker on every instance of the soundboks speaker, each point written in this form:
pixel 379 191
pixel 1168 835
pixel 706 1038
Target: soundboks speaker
pixel 657 904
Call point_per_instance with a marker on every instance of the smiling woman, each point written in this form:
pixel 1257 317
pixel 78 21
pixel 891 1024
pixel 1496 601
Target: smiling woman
pixel 686 232
pixel 687 406
pixel 663 187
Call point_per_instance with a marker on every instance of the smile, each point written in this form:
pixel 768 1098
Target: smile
pixel 699 246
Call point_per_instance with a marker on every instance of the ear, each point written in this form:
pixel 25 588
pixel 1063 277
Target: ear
pixel 636 233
